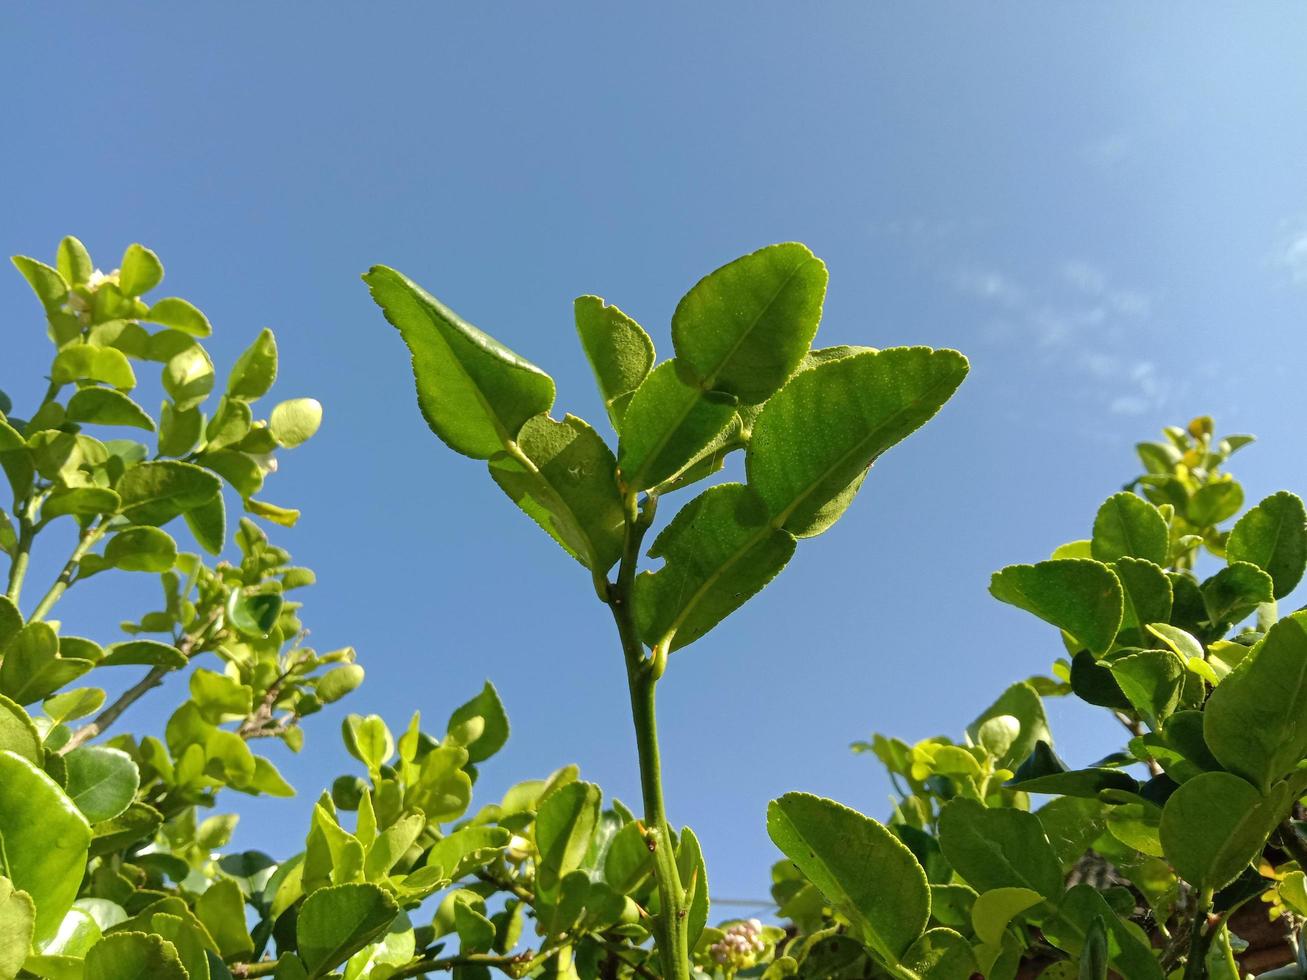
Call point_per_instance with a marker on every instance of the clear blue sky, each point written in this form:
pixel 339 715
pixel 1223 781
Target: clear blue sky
pixel 1103 205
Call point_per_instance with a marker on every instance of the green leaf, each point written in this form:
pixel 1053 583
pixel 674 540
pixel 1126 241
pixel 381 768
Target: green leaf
pixel 66 706
pixel 1070 929
pixel 1044 772
pixel 255 370
pixel 629 861
pixel 254 615
pixel 1146 592
pixel 1077 595
pixel 467 849
pixel 336 922
pixel 1020 701
pixel 102 782
pixel 564 477
pixel 141 549
pixel 1213 503
pixel 1214 825
pixel 82 362
pixel 565 822
pixel 667 424
pixel 718 552
pixel 1152 681
pixel 939 954
pixel 480 725
pixel 17 918
pixel 829 423
pixel 45 281
pixel 864 871
pixel 1127 526
pixel 73 261
pixel 221 909
pixel 995 909
pixel 693 874
pixel 179 431
pixel 140 271
pixel 337 682
pixel 156 492
pixel 142 653
pixel 391 845
pixel 1236 591
pixel 208 523
pixel 230 424
pixel 80 502
pixel 105 406
pixel 619 351
pixel 1001 848
pixel 295 421
pixel 177 314
pixel 134 956
pixel 1256 720
pixel 745 327
pixel 18 733
pixel 474 393
pixel 188 376
pixel 1273 536
pixel 32 668
pixel 368 740
pixel 45 839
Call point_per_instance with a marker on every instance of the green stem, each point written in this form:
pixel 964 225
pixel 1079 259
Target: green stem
pixel 87 541
pixel 672 926
pixel 1195 967
pixel 23 552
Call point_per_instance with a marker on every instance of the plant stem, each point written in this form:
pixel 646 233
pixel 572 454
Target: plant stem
pixel 1195 967
pixel 142 687
pixel 672 926
pixel 22 554
pixel 87 541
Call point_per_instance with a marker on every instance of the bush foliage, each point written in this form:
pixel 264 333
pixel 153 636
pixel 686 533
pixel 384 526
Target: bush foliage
pixel 998 859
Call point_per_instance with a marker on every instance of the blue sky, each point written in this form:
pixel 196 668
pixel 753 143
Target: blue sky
pixel 1102 205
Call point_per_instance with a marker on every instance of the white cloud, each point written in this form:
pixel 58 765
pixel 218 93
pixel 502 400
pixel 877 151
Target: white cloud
pixel 1082 321
pixel 1293 258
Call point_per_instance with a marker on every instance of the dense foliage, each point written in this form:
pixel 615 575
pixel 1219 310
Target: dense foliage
pixel 998 859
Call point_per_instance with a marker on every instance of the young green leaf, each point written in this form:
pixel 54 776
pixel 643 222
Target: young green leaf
pixel 564 825
pixel 864 871
pixel 829 423
pixel 620 352
pixel 82 362
pixel 667 424
pixel 744 328
pixel 177 314
pixel 474 393
pixel 73 261
pixel 134 956
pixel 1273 536
pixel 156 492
pixel 480 725
pixel 564 477
pixel 140 272
pixel 1077 595
pixel 294 422
pixel 255 370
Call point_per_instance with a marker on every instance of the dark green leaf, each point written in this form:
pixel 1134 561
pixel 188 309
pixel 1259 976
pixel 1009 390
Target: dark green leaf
pixel 1214 825
pixel 1236 591
pixel 254 615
